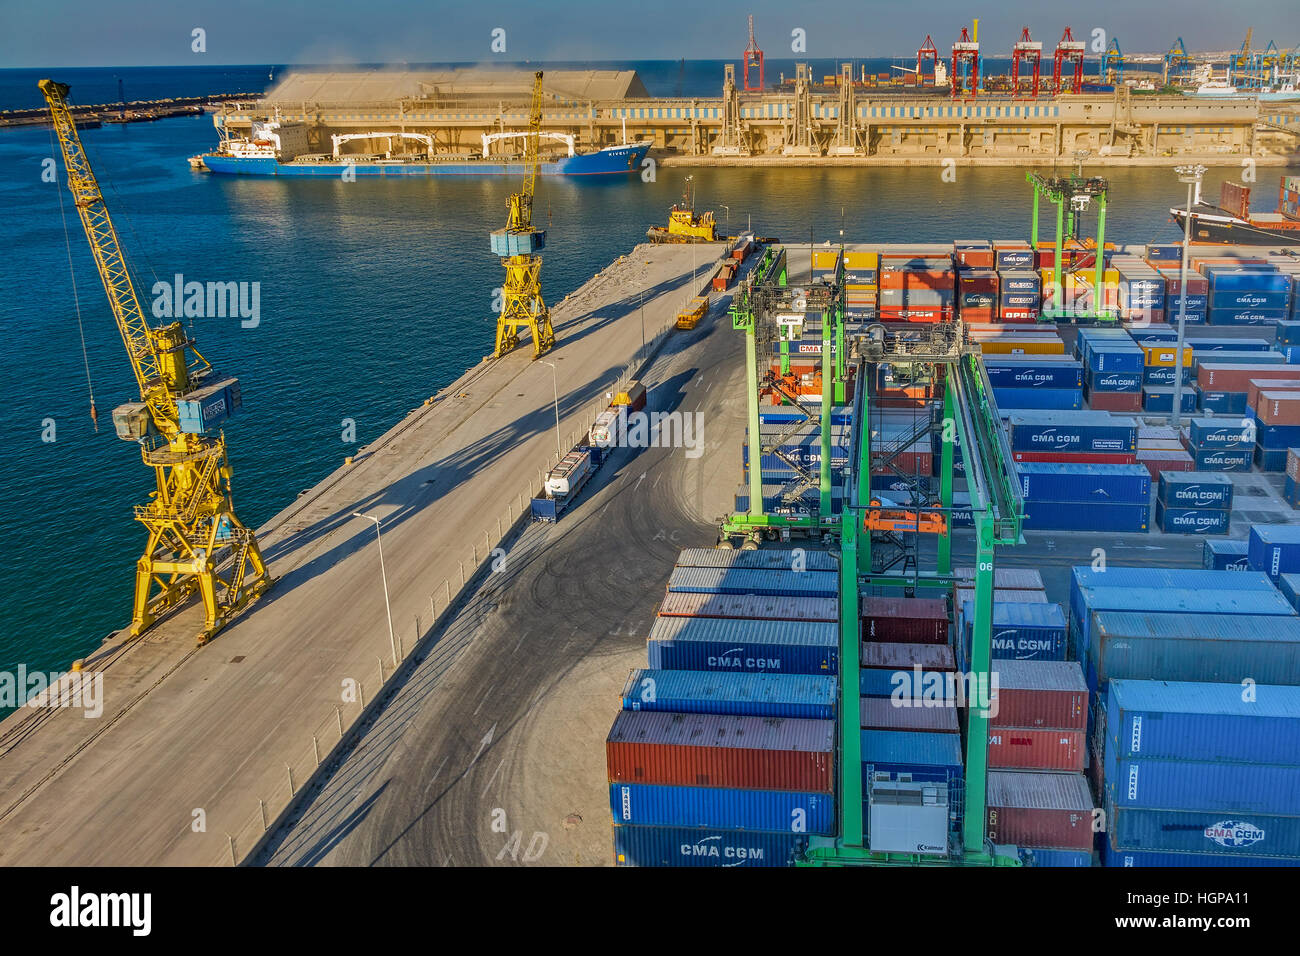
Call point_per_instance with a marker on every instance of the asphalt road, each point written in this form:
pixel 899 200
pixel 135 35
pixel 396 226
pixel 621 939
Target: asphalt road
pixel 492 752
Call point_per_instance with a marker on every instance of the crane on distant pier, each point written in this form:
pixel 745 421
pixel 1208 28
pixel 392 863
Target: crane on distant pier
pixel 522 305
pixel 191 520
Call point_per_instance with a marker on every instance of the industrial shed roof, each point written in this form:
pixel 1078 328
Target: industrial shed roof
pixel 385 86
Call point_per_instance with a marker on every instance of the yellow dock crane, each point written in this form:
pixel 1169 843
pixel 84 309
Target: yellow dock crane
pixel 190 519
pixel 517 245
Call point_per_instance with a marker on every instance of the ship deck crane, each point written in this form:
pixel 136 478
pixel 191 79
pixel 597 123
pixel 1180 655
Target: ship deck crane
pixel 191 521
pixel 1030 52
pixel 753 57
pixel 522 305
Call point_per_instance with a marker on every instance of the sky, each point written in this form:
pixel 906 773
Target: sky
pixel 160 32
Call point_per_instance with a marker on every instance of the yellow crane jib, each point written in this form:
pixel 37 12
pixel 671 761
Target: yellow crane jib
pixel 517 244
pixel 191 522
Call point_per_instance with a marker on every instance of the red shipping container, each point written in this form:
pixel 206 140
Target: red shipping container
pixel 909 462
pixel 755 606
pixel 905 620
pixel 1196 285
pixel 903 657
pixel 1278 408
pixel 1035 748
pixel 714 750
pixel 1078 457
pixel 1235 377
pixel 976 258
pixel 978 316
pixel 881 713
pixel 1051 810
pixel 972 280
pixel 1026 316
pixel 1258 385
pixel 1159 460
pixel 1114 401
pixel 1040 694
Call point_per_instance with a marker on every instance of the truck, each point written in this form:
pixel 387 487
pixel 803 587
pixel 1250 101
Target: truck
pixel 565 481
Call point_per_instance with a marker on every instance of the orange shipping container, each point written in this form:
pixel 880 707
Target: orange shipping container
pixel 1258 385
pixel 1234 377
pixel 1279 408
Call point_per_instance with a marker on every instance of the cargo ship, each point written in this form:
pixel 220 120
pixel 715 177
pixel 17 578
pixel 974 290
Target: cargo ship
pixel 279 149
pixel 1231 221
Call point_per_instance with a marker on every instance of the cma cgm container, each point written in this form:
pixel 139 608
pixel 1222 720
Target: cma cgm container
pixel 708 750
pixel 740 645
pixel 1216 433
pixel 1036 809
pixel 928 758
pixel 1086 516
pixel 1133 858
pixel 681 846
pixel 823 584
pixel 1274 549
pixel 1040 694
pixel 1104 484
pixel 1190 490
pixel 1181 720
pixel 711 692
pixel 1189 832
pixel 1022 631
pixel 642 804
pixel 1174 520
pixel 905 620
pixel 1221 648
pixel 1224 555
pixel 1034 372
pixel 749 607
pixel 1081 431
pixel 770 559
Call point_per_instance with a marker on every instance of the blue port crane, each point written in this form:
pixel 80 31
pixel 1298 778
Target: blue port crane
pixel 196 543
pixel 1111 67
pixel 1177 62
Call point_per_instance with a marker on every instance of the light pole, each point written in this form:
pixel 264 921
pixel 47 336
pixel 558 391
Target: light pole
pixel 728 208
pixel 641 294
pixel 1192 176
pixel 392 640
pixel 555 388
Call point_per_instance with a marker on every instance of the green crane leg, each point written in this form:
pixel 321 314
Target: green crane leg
pixel 949 435
pixel 755 441
pixel 785 355
pixel 1058 268
pixel 850 718
pixel 1033 223
pixel 828 382
pixel 977 735
pixel 841 366
pixel 1098 297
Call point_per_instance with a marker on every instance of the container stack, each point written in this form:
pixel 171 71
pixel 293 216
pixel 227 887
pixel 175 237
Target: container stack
pixel 1044 382
pixel 1274 549
pixel 1291 487
pixel 1160 398
pixel 1247 295
pixel 917 287
pixel 861 285
pixel 1224 386
pixel 723 753
pixel 1288 333
pixel 1195 775
pixel 1112 378
pixel 1276 417
pixel 1075 437
pixel 1141 290
pixel 1085 497
pixel 1020 296
pixel 994 340
pixel 1159 450
pixel 1219 445
pixel 1049 816
pixel 1194 503
pixel 1224 555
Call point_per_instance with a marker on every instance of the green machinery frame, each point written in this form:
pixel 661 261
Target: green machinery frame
pixel 1072 195
pixel 757 308
pixel 970 417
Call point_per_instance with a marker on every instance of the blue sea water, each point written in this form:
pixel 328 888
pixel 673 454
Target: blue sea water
pixel 373 294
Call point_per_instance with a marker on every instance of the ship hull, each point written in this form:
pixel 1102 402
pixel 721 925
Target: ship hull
pixel 612 161
pixel 1232 231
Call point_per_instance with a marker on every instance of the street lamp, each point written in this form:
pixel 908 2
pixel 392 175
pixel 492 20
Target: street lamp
pixel 392 639
pixel 728 208
pixel 555 388
pixel 1192 176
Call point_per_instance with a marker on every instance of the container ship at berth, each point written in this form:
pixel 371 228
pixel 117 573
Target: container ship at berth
pixel 270 153
pixel 1231 221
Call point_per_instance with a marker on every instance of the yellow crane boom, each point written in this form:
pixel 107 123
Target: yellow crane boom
pixel 522 305
pixel 191 522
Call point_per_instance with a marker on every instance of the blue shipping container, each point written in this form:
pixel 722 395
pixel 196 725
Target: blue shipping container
pixel 1082 431
pixel 1114 381
pixel 1274 549
pixel 1159 399
pixel 1038 398
pixel 1163 375
pixel 1046 857
pixel 888 682
pixel 1235 315
pixel 1205 831
pixel 1200 345
pixel 1216 433
pixel 1183 720
pixel 1022 631
pixel 1220 555
pixel 1115 357
pixel 1216 459
pixel 1086 516
pixel 1222 403
pixel 1226 278
pixel 740 645
pixel 1139 858
pixel 1275 437
pixel 1173 519
pixel 1201 785
pixel 1272 300
pixel 1270 459
pixel 1107 484
pixel 1030 373
pixel 680 846
pixel 928 757
pixel 722 808
pixel 1190 489
pixel 746 695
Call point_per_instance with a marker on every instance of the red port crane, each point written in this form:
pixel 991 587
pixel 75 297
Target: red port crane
pixel 1069 50
pixel 928 51
pixel 965 52
pixel 753 57
pixel 1029 52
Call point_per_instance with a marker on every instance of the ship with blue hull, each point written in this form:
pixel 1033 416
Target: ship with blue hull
pixel 277 150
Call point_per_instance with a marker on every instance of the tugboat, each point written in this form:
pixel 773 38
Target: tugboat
pixel 1231 221
pixel 683 224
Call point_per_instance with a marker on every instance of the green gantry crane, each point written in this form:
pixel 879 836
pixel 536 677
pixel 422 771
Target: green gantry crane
pixel 1072 196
